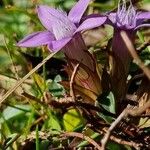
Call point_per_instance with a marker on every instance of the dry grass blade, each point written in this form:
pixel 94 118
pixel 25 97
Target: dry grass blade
pixel 135 56
pixel 8 93
pixel 113 125
pixel 72 81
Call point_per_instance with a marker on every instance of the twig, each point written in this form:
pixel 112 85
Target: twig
pixel 123 142
pixel 72 81
pixel 128 111
pixel 8 93
pixel 67 104
pixel 13 79
pixel 82 136
pixel 116 139
pixel 133 53
pixel 113 125
pixel 88 106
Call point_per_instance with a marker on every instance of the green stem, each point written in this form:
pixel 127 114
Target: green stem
pixel 37 138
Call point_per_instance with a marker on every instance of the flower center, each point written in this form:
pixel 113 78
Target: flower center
pixel 126 16
pixel 62 26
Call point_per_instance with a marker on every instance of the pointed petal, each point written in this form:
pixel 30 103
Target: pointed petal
pixel 91 23
pixel 78 10
pixel 47 15
pixel 143 15
pixel 36 39
pixel 112 17
pixel 59 44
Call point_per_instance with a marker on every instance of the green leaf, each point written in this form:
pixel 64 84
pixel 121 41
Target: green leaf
pixel 55 88
pixel 14 112
pixel 72 119
pixel 144 122
pixel 57 78
pixel 114 146
pixel 52 122
pixel 108 102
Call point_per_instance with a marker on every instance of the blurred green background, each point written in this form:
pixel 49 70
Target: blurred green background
pixel 19 115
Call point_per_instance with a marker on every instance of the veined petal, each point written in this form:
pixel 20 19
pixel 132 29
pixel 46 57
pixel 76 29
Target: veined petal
pixel 59 44
pixel 47 15
pixel 91 23
pixel 78 10
pixel 36 39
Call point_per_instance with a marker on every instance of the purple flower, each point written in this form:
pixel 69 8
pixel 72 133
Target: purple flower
pixel 126 18
pixel 129 20
pixel 63 32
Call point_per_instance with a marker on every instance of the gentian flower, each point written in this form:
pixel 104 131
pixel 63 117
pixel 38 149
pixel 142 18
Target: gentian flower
pixel 63 32
pixel 129 20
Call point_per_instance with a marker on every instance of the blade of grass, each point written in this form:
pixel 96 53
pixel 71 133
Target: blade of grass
pixel 37 138
pixel 29 123
pixel 136 58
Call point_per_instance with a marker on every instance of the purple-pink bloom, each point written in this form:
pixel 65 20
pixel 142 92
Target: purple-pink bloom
pixel 63 31
pixel 129 20
pixel 126 19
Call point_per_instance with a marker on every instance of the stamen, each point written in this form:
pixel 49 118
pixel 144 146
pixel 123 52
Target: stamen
pixel 121 7
pixel 121 11
pixel 126 16
pixel 130 16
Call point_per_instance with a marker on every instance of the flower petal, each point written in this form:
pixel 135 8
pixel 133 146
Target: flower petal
pixel 47 15
pixel 91 23
pixel 36 39
pixel 112 17
pixel 59 44
pixel 143 15
pixel 78 10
